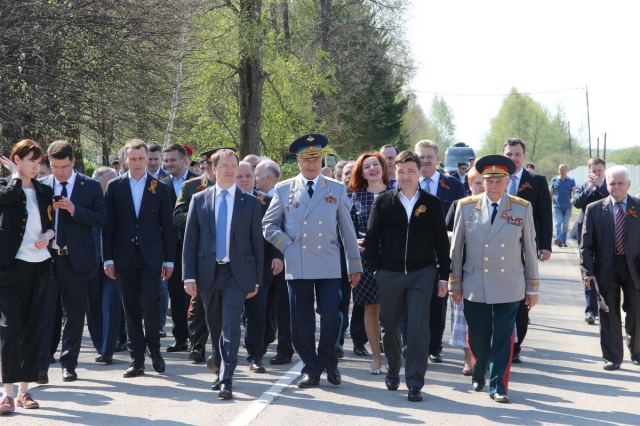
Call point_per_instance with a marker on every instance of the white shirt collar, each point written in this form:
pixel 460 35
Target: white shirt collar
pixel 518 174
pixel 434 178
pixel 232 190
pixel 624 202
pixel 71 181
pixel 489 202
pixel 314 180
pixel 415 196
pixel 184 176
pixel 143 178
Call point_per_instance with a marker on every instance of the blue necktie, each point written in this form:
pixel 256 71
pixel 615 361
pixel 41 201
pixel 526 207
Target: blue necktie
pixel 513 189
pixel 221 227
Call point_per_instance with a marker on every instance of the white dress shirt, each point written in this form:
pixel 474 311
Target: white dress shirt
pixel 433 187
pixel 315 182
pixel 33 229
pixel 57 190
pixel 615 207
pixel 408 203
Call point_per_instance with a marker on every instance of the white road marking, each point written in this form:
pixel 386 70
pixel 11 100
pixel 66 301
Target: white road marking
pixel 267 398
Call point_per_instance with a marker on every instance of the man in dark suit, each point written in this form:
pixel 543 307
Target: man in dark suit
pixel 176 163
pixel 223 261
pixel 104 306
pixel 609 256
pixel 154 167
pixel 447 189
pixel 80 207
pixel 139 247
pixel 594 189
pixel 532 187
pixel 255 308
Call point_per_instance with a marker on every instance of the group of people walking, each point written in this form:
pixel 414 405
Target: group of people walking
pixel 392 233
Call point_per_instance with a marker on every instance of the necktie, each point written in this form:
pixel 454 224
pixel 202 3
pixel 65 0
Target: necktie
pixel 620 229
pixel 221 227
pixel 513 188
pixel 60 237
pixel 427 185
pixel 310 190
pixel 495 212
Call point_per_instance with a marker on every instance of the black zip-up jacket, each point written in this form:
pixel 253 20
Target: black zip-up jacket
pixel 395 244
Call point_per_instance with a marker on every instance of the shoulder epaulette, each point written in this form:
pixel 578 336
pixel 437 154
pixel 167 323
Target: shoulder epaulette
pixel 193 179
pixel 469 200
pixel 333 180
pixel 518 200
pixel 283 182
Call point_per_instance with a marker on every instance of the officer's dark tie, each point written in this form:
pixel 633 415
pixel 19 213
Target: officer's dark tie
pixel 619 229
pixel 495 212
pixel 60 237
pixel 310 190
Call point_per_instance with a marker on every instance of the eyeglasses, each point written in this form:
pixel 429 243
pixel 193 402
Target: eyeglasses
pixel 227 166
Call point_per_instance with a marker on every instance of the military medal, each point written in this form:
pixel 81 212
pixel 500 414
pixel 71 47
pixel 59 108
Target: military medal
pixel 503 215
pixel 291 203
pixel 329 198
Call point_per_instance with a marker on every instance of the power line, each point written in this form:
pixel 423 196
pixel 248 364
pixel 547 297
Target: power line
pixel 505 94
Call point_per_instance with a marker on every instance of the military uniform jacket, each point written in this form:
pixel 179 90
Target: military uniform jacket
pixel 305 229
pixel 501 258
pixel 188 189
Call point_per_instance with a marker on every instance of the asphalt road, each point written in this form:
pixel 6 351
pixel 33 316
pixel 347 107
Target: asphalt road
pixel 560 382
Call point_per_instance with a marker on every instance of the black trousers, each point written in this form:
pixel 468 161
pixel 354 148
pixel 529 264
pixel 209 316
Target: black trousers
pixel 71 287
pixel 283 315
pixel 196 321
pixel 610 317
pixel 23 301
pixel 522 326
pixel 271 326
pixel 255 312
pixel 139 288
pixel 179 299
pixel 437 320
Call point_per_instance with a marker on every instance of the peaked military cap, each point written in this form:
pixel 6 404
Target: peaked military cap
pixel 495 166
pixel 310 145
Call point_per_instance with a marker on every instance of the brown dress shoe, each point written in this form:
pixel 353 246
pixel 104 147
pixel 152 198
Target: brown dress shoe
pixel 7 405
pixel 25 400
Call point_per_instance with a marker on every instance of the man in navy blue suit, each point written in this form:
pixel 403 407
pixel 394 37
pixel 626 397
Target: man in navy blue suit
pixel 176 162
pixel 139 248
pixel 223 260
pixel 447 189
pixel 80 207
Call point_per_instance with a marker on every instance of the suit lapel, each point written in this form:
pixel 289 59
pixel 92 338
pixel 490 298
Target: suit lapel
pixel 301 191
pixel 146 193
pixel 238 205
pixel 78 188
pixel 210 205
pixel 607 208
pixel 499 222
pixel 124 181
pixel 481 216
pixel 318 195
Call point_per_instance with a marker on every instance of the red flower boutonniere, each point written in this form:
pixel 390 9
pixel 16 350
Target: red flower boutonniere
pixel 444 185
pixel 419 210
pixel 261 199
pixel 152 187
pixel 632 212
pixel 524 186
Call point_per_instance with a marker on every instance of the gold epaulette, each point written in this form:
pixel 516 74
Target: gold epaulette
pixel 333 180
pixel 518 200
pixel 284 182
pixel 193 179
pixel 469 200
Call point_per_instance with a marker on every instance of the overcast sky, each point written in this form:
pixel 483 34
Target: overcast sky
pixel 486 47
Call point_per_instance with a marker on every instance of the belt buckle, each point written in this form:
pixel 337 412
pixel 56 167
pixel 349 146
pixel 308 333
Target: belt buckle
pixel 220 262
pixel 63 252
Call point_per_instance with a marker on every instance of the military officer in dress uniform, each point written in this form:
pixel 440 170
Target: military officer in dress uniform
pixel 301 223
pixel 497 232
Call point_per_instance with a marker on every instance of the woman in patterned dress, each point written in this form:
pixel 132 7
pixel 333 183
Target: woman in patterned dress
pixel 369 179
pixel 458 322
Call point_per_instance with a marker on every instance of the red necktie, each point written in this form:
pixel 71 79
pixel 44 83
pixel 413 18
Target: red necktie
pixel 620 229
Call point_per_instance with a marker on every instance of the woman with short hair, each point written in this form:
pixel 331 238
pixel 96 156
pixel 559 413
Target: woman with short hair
pixel 26 227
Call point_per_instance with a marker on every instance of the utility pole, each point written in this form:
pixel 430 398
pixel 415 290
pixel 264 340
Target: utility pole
pixel 604 150
pixel 569 135
pixel 598 148
pixel 588 120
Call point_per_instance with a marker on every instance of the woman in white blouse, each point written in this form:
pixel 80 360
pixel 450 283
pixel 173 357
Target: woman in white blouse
pixel 26 227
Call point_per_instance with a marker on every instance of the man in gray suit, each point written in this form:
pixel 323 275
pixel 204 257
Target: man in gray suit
pixel 495 235
pixel 609 255
pixel 223 260
pixel 301 223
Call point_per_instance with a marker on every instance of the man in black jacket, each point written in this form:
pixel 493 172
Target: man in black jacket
pixel 406 241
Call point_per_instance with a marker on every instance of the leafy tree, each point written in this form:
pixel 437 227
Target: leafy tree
pixel 442 130
pixel 416 124
pixel 629 155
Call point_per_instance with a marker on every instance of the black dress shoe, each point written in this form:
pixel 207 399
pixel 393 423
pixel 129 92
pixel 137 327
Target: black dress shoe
pixel 197 354
pixel 392 382
pixel 211 364
pixel 333 376
pixel 178 346
pixel 360 351
pixel 120 347
pixel 43 377
pixel 157 361
pixel 216 384
pixel 589 318
pixel 52 360
pixel 162 333
pixel 104 359
pixel 133 371
pixel 225 391
pixel 308 382
pixel 415 394
pixel 437 359
pixel 339 351
pixel 516 359
pixel 478 384
pixel 69 375
pixel 610 366
pixel 500 397
pixel 635 360
pixel 257 366
pixel 280 360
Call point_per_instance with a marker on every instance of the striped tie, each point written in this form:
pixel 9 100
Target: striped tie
pixel 619 229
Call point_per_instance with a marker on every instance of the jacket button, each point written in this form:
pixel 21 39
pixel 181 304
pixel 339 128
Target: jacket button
pixel 320 234
pixel 486 245
pixel 501 245
pixel 304 235
pixel 501 270
pixel 486 270
pixel 24 220
pixel 21 234
pixel 133 240
pixel 486 258
pixel 320 222
pixel 319 247
pixel 304 247
pixel 305 222
pixel 502 258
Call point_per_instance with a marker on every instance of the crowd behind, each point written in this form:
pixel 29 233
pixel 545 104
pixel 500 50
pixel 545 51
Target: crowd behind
pixel 217 242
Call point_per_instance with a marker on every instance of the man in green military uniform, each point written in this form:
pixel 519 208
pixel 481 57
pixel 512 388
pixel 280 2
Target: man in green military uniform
pixel 198 333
